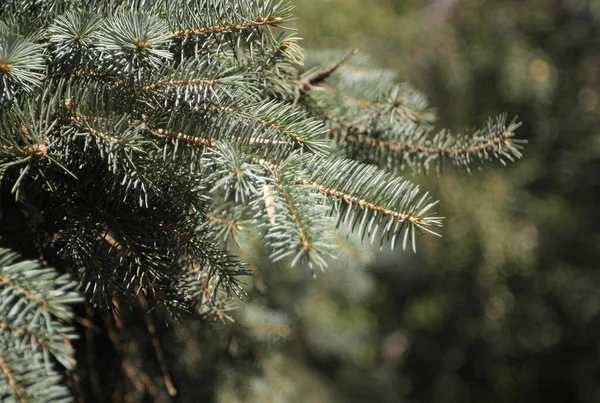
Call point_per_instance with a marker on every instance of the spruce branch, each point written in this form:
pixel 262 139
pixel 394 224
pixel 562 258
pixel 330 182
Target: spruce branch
pixel 185 138
pixel 214 18
pixel 219 29
pixel 394 200
pixel 134 42
pixel 295 227
pixel 229 224
pixel 35 306
pixel 276 127
pixel 493 142
pixel 74 37
pixel 12 382
pixel 279 121
pixel 141 142
pixel 194 81
pixel 393 203
pixel 21 65
pixel 25 133
pixel 400 102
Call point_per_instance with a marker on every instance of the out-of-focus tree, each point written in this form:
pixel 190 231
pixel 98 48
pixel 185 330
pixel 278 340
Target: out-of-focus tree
pixel 506 306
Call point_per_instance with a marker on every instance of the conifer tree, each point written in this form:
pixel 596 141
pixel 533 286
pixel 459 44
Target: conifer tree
pixel 139 138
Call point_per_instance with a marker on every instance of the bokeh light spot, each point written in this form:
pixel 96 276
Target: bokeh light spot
pixel 588 99
pixel 394 346
pixel 539 70
pixel 494 308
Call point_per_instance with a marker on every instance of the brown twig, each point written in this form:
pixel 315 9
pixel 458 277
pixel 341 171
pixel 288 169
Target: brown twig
pixel 185 137
pixel 194 81
pixel 22 332
pixel 307 83
pixel 109 236
pixel 75 385
pixel 361 202
pixel 11 380
pixel 303 239
pixel 23 291
pixel 82 120
pixel 226 223
pixel 399 145
pixel 279 128
pixel 87 324
pixel 260 20
pixel 347 197
pixel 36 150
pixel 91 356
pixel 156 344
pixel 138 378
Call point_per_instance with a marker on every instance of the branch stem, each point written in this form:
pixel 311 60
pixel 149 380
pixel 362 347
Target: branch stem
pixel 11 380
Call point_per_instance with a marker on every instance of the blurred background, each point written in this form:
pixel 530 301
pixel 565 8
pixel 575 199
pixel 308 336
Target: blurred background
pixel 506 306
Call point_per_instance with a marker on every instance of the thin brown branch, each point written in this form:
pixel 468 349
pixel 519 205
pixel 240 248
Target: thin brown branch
pixel 175 231
pixel 279 128
pixel 186 138
pixel 82 120
pixel 361 202
pixel 181 82
pixel 207 293
pixel 12 382
pixel 258 142
pixel 133 373
pixel 88 324
pixel 201 141
pixel 215 29
pixel 347 197
pixel 36 150
pixel 23 291
pixel 307 83
pixel 109 236
pixel 72 375
pixel 269 203
pixel 138 378
pixel 396 107
pixel 75 385
pixel 91 356
pixel 104 136
pixel 22 332
pixel 299 227
pixel 150 386
pixel 226 223
pixel 398 145
pixel 156 344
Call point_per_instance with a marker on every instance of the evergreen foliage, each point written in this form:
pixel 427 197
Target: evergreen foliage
pixel 137 138
pixel 33 314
